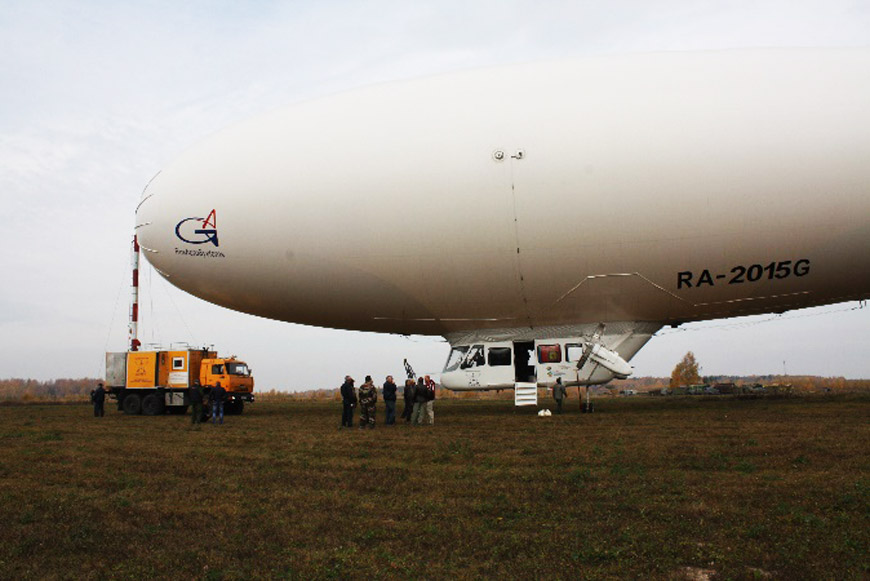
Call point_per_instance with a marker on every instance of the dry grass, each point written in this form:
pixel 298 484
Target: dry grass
pixel 654 488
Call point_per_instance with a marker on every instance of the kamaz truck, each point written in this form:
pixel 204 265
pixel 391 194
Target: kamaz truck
pixel 157 382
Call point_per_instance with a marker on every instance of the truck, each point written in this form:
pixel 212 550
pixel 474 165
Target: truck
pixel 157 382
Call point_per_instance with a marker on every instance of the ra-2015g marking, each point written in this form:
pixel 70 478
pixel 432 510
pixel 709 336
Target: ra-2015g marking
pixel 742 274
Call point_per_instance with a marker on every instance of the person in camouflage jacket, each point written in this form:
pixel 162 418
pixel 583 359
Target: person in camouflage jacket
pixel 368 396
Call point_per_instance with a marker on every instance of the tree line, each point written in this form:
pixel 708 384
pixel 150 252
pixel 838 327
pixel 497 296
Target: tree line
pixel 17 389
pixel 72 390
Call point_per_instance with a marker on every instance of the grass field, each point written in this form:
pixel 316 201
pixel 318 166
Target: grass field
pixel 667 488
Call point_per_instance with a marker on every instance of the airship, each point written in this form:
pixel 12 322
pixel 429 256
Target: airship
pixel 547 219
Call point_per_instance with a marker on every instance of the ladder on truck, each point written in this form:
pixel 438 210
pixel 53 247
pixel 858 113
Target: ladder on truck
pixel 525 394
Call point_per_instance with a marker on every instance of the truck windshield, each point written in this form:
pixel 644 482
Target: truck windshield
pixel 236 368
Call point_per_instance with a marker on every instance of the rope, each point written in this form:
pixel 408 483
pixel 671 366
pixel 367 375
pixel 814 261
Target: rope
pixel 747 324
pixel 180 314
pixel 100 367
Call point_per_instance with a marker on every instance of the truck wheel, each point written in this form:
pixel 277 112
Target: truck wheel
pixel 132 405
pixel 236 408
pixel 152 405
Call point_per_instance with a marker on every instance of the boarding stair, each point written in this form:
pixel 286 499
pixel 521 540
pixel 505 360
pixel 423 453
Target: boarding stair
pixel 525 394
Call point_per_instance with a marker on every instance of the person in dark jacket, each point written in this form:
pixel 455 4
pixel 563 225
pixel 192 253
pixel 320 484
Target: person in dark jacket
pixel 430 400
pixel 98 397
pixel 194 394
pixel 420 396
pixel 409 399
pixel 348 401
pixel 559 394
pixel 217 396
pixel 390 400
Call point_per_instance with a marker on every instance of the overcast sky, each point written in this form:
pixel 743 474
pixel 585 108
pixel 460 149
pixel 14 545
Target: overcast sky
pixel 99 96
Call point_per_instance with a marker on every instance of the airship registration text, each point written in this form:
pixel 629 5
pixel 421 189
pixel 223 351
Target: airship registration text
pixel 742 274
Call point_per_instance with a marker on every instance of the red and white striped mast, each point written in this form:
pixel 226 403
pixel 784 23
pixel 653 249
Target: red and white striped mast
pixel 133 333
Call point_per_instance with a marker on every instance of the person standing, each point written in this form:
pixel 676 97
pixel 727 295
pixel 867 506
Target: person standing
pixel 390 400
pixel 368 397
pixel 430 400
pixel 98 397
pixel 409 399
pixel 420 395
pixel 218 395
pixel 348 401
pixel 559 394
pixel 194 394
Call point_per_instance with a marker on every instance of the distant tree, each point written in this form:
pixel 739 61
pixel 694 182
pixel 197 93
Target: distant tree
pixel 687 372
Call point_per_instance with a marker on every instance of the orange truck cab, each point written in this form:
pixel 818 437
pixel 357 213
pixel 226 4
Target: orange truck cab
pixel 234 376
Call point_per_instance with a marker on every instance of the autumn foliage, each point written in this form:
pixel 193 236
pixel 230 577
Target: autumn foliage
pixel 32 390
pixel 687 372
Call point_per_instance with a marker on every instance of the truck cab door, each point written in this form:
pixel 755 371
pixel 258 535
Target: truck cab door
pixel 218 373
